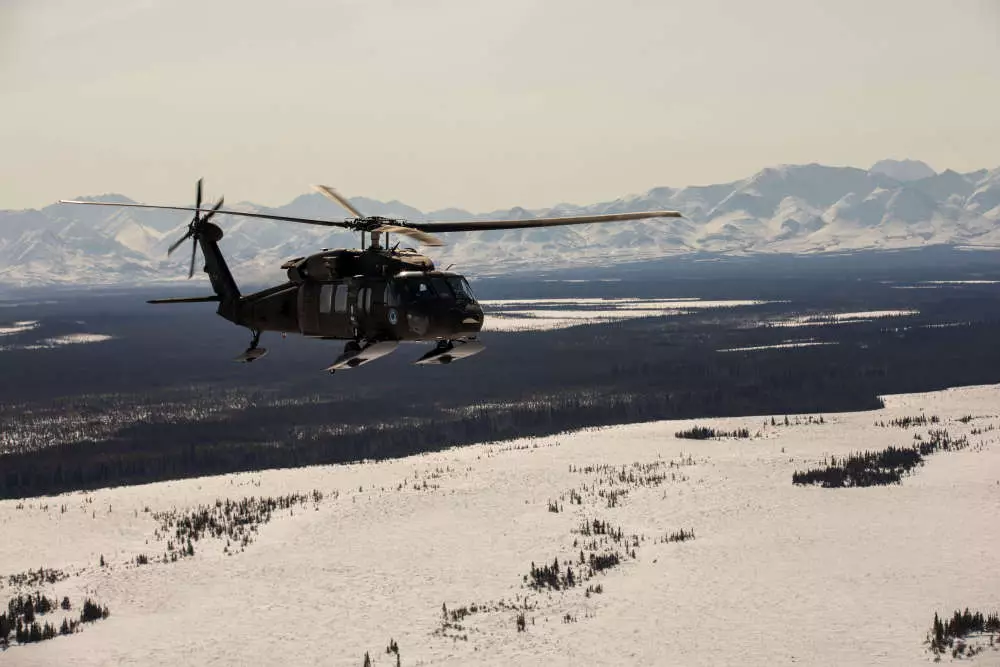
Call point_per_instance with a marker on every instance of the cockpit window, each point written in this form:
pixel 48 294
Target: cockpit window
pixel 416 288
pixel 461 288
pixel 441 287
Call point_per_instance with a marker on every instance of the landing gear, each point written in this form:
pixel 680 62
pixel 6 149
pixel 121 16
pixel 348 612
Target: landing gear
pixel 253 352
pixel 357 353
pixel 447 351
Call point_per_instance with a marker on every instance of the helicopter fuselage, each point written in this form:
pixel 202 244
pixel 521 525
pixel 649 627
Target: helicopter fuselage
pixel 383 303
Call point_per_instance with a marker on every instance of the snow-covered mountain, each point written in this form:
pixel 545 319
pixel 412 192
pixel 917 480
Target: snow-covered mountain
pixel 788 209
pixel 904 170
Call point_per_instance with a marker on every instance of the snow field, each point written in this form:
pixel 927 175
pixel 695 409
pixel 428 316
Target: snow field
pixel 776 574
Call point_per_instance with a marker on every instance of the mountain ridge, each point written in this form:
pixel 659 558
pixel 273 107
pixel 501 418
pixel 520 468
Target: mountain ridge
pixel 810 208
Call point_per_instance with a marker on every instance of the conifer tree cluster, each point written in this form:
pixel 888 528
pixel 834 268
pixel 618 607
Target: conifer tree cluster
pixel 677 536
pixel 879 468
pixel 393 647
pixel 707 432
pixel 551 576
pixel 961 625
pixel 24 618
pixel 92 612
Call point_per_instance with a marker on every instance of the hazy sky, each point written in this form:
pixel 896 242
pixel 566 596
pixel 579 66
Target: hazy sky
pixel 481 105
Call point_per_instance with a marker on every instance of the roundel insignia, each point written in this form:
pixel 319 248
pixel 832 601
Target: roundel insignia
pixel 393 316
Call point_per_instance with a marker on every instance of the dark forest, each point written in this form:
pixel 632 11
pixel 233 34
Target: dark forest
pixel 164 400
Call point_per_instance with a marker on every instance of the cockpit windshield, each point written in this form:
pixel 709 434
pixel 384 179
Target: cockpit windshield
pixel 426 288
pixel 461 288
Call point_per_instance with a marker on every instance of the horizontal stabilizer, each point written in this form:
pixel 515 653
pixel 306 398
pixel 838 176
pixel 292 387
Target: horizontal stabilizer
pixel 187 299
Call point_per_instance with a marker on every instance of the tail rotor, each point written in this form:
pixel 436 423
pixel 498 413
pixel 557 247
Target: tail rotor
pixel 195 227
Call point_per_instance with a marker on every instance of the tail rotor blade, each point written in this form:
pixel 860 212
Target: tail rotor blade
pixel 208 216
pixel 194 251
pixel 177 244
pixel 197 199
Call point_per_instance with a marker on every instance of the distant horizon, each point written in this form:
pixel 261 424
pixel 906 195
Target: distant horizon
pixel 182 201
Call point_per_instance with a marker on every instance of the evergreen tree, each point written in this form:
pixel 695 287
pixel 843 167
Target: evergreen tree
pixel 368 660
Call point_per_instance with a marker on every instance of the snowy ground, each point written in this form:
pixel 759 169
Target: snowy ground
pixel 549 314
pixel 777 574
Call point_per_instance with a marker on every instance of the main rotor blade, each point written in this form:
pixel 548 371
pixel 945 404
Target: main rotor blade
pixel 430 227
pixel 177 244
pixel 347 224
pixel 335 196
pixel 415 234
pixel 487 225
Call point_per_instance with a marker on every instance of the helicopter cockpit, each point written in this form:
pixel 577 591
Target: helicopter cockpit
pixel 432 304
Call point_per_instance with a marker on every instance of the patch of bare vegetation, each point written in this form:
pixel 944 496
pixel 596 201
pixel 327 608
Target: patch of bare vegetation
pixel 611 484
pixel 909 422
pixel 237 522
pixel 35 578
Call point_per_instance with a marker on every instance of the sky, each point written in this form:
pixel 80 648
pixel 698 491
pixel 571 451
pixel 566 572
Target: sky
pixel 481 105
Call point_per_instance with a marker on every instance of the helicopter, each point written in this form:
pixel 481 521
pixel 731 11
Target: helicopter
pixel 374 297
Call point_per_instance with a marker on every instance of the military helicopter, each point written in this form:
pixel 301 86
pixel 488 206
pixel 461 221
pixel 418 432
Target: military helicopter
pixel 374 298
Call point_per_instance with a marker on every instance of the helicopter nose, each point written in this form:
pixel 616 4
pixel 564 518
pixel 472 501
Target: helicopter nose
pixel 469 319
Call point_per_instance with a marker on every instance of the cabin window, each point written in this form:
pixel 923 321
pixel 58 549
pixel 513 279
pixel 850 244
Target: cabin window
pixel 365 299
pixel 326 299
pixel 340 299
pixel 390 298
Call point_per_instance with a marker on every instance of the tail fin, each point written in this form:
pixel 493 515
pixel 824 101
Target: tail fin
pixel 227 294
pixel 215 265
